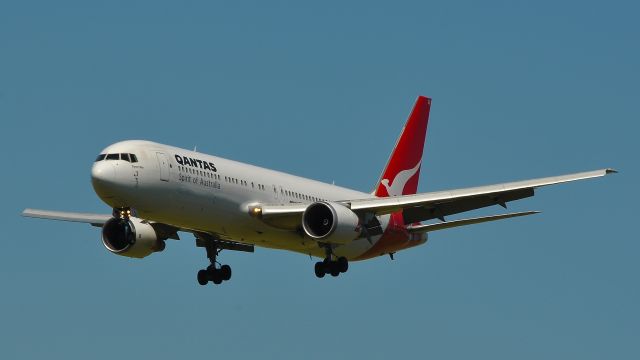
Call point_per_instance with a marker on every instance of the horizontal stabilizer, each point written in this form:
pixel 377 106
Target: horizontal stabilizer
pixel 463 222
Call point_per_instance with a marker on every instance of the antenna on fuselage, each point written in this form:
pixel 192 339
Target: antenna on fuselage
pixel 195 148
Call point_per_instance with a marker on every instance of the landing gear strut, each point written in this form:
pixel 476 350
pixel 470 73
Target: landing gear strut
pixel 213 273
pixel 331 266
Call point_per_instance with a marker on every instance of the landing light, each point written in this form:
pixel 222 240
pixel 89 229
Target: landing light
pixel 255 211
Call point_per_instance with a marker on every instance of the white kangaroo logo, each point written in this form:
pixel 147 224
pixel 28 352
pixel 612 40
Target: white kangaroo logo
pixel 395 189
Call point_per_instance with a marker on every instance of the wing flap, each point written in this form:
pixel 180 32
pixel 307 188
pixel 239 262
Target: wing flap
pixel 464 222
pixel 440 210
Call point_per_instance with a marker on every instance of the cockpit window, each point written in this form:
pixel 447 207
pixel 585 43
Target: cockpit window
pixel 126 157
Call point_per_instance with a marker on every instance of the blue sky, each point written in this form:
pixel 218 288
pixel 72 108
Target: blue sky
pixel 520 90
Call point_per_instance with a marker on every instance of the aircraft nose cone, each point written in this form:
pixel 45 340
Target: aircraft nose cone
pixel 103 175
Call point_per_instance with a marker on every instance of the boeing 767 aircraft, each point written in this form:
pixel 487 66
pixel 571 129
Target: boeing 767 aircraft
pixel 157 191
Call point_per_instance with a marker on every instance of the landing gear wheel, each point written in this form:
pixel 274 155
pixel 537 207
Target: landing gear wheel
pixel 326 266
pixel 215 276
pixel 203 278
pixel 225 271
pixel 319 269
pixel 334 269
pixel 343 264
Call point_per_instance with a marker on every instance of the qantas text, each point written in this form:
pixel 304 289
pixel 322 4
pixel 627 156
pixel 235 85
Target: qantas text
pixel 183 160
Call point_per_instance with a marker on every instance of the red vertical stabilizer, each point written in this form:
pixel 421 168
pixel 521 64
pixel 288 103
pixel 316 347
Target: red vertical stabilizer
pixel 400 176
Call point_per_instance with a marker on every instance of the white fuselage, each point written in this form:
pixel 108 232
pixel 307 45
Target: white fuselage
pixel 200 192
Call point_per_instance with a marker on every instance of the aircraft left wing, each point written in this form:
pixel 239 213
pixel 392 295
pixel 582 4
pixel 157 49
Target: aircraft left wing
pixel 437 205
pixel 426 206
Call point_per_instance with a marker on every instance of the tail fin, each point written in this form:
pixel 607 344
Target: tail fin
pixel 400 176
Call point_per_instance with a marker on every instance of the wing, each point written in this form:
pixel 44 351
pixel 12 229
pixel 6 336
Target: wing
pixel 426 206
pixel 164 231
pixel 93 219
pixel 439 204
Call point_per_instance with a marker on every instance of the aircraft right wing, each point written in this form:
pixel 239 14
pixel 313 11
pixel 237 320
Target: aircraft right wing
pixel 93 219
pixel 163 230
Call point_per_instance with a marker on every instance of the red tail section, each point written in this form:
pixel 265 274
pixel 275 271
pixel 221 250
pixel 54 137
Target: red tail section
pixel 400 176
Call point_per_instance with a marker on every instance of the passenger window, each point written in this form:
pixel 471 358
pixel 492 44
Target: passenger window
pixel 125 157
pixel 100 157
pixel 113 157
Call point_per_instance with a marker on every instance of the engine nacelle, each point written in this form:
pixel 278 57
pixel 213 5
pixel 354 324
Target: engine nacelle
pixel 131 237
pixel 331 223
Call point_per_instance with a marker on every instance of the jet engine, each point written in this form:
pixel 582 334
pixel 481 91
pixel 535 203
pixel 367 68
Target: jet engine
pixel 331 223
pixel 131 237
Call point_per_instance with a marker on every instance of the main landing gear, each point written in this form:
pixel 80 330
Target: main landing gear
pixel 213 273
pixel 331 266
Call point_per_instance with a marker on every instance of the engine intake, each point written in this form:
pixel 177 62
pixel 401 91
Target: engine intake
pixel 131 237
pixel 330 222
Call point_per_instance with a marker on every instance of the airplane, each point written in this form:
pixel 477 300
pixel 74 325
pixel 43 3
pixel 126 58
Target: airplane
pixel 156 191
